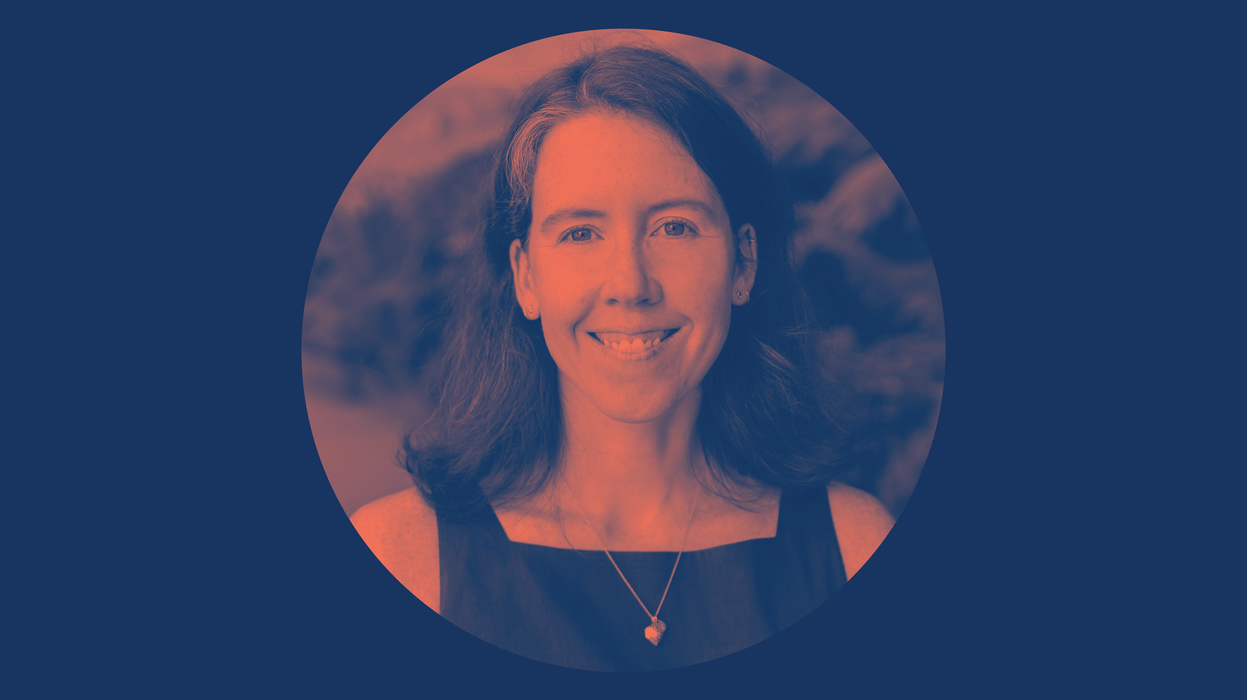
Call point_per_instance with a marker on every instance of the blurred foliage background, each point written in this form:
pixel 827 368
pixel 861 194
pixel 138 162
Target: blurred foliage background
pixel 395 244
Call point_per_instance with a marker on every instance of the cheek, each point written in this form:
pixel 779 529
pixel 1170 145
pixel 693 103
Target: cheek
pixel 721 321
pixel 564 298
pixel 707 286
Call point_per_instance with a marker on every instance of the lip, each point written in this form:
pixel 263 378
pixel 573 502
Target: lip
pixel 669 330
pixel 668 333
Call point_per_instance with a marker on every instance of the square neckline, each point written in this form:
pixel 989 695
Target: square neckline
pixel 501 532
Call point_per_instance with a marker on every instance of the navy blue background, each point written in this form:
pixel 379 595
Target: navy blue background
pixel 173 531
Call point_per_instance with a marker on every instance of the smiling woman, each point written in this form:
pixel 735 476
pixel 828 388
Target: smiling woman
pixel 631 464
pixel 632 268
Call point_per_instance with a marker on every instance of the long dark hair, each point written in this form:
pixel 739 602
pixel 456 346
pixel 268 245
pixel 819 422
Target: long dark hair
pixel 496 433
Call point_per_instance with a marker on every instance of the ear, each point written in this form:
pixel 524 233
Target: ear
pixel 742 284
pixel 522 273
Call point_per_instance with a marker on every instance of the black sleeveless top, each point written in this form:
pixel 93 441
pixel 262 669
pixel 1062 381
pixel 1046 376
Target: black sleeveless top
pixel 570 607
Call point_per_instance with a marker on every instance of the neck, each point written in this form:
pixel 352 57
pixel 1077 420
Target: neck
pixel 630 480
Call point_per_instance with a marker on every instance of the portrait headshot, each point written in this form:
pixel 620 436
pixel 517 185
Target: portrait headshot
pixel 623 350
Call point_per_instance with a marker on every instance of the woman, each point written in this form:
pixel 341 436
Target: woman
pixel 632 458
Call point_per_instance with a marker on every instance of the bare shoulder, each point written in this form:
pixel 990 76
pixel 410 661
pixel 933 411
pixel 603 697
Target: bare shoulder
pixel 861 523
pixel 401 530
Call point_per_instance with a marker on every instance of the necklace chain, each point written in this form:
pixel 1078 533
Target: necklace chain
pixel 652 616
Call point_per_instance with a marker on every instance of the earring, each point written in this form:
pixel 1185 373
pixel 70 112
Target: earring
pixel 742 296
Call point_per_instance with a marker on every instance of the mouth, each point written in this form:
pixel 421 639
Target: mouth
pixel 633 342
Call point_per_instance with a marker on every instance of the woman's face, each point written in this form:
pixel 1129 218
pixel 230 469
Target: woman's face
pixel 630 264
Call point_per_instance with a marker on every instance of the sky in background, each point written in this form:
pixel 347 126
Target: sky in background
pixel 395 244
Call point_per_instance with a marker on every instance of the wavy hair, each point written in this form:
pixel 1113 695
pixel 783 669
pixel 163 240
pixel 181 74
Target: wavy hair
pixel 496 433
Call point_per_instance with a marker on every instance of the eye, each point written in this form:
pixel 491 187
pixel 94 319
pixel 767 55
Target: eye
pixel 677 229
pixel 579 235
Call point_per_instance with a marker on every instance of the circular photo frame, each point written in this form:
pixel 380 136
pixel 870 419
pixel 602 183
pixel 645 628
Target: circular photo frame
pixel 577 393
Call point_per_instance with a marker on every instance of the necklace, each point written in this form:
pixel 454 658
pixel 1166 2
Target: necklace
pixel 656 627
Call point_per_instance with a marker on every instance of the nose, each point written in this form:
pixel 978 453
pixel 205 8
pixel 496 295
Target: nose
pixel 629 277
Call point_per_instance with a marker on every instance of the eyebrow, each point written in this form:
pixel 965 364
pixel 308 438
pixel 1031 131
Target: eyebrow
pixel 576 213
pixel 571 213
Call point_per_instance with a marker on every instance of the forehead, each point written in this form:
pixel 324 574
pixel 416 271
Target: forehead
pixel 615 159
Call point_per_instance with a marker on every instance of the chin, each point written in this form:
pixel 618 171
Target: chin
pixel 630 414
pixel 641 407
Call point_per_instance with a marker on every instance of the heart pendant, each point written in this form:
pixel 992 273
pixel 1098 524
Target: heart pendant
pixel 654 632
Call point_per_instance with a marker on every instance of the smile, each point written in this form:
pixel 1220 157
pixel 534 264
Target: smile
pixel 632 343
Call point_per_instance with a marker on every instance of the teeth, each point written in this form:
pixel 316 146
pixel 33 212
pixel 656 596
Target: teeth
pixel 612 338
pixel 636 345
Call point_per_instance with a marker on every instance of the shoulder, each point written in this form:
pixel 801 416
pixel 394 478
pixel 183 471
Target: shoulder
pixel 861 523
pixel 401 530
